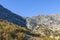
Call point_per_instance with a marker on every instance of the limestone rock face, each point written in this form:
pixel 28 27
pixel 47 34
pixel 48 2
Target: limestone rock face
pixel 50 20
pixel 45 25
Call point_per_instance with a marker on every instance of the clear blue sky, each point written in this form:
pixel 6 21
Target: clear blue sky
pixel 32 7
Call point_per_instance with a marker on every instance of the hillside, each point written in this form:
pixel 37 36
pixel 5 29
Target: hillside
pixel 10 31
pixel 46 33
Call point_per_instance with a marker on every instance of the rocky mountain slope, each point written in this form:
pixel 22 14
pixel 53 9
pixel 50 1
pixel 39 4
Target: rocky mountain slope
pixel 49 20
pixel 11 17
pixel 10 31
pixel 46 25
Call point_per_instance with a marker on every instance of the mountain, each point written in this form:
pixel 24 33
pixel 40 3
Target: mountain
pixel 41 27
pixel 13 26
pixel 49 20
pixel 48 26
pixel 6 14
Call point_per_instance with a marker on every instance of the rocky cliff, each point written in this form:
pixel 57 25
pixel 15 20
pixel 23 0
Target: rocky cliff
pixel 49 20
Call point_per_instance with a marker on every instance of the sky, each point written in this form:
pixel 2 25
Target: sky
pixel 29 8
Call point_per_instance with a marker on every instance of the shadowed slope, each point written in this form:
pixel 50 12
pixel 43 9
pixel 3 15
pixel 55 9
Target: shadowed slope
pixel 11 17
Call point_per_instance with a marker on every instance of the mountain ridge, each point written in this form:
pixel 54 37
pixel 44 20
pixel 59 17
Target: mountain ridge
pixel 11 17
pixel 49 20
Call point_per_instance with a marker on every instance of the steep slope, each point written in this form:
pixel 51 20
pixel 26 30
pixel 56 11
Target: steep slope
pixel 12 26
pixel 10 31
pixel 11 17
